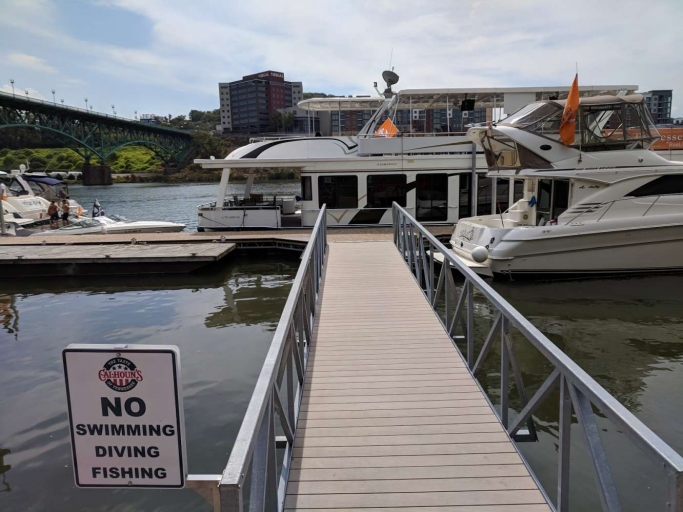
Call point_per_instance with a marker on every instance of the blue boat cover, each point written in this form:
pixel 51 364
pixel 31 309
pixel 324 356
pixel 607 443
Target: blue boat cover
pixel 41 179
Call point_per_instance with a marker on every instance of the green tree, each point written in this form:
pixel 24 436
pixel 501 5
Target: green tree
pixel 207 145
pixel 274 121
pixel 288 119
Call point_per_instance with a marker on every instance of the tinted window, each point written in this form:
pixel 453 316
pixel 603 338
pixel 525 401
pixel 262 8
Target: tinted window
pixel 432 197
pixel 483 196
pixel 464 207
pixel 502 195
pixel 306 188
pixel 383 190
pixel 338 192
pixel 664 185
pixel 519 190
pixel 560 197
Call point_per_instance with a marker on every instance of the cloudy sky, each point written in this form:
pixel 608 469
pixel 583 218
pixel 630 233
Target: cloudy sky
pixel 167 56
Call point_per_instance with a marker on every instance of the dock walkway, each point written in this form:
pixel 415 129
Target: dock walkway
pixel 390 416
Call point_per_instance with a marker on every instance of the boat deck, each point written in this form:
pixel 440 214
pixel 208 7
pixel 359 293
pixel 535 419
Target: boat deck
pixel 391 418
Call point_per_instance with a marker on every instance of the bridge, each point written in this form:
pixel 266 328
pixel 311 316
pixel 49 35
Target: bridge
pixel 92 134
pixel 370 398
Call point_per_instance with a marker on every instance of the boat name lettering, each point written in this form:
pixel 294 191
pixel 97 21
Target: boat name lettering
pixel 387 164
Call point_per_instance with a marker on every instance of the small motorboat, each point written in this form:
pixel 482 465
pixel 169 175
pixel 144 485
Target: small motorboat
pixel 113 225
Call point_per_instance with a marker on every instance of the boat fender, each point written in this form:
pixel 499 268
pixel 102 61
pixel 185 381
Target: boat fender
pixel 480 254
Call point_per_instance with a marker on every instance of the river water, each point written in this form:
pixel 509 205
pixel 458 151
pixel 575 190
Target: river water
pixel 626 333
pixel 172 203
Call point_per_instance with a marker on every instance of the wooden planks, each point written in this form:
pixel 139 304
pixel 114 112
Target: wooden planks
pixel 391 417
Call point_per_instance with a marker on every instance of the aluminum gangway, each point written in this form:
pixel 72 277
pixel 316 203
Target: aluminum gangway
pixel 369 398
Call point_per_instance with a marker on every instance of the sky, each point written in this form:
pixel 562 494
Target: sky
pixel 168 56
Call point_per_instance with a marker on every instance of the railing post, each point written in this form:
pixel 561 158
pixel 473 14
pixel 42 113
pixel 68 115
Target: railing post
pixel 564 450
pixel 675 503
pixel 504 375
pixel 470 324
pixel 263 495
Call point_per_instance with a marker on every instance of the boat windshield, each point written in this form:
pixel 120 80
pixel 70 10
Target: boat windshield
pixel 604 122
pixel 86 223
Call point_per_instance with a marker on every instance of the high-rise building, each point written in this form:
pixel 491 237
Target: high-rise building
pixel 658 102
pixel 246 105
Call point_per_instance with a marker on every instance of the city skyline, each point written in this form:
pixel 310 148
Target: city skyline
pixel 167 57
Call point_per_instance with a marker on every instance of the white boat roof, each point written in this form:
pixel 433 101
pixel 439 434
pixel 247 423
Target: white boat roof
pixel 334 104
pixel 453 97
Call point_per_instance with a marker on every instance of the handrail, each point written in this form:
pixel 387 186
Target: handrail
pixel 577 388
pixel 254 451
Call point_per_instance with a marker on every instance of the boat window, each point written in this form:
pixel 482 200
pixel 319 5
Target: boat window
pixel 553 200
pixel 616 126
pixel 431 192
pixel 484 196
pixel 545 189
pixel 502 194
pixel 519 190
pixel 338 192
pixel 306 188
pixel 664 185
pixel 383 190
pixel 464 206
pixel 16 189
pixel 531 114
pixel 560 197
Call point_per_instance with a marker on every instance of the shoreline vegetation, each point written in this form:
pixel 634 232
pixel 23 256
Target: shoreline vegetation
pixel 137 164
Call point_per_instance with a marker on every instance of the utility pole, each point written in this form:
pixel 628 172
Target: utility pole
pixel 11 80
pixel 54 100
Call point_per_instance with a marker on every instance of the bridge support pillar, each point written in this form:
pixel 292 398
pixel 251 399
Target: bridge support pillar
pixel 96 174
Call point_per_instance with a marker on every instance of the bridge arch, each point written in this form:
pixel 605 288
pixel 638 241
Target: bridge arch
pixel 63 135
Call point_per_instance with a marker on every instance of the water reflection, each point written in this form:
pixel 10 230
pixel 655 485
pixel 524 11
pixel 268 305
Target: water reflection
pixel 222 320
pixel 4 468
pixel 628 335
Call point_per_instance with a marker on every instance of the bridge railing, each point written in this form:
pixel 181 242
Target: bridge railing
pixel 60 105
pixel 252 475
pixel 578 391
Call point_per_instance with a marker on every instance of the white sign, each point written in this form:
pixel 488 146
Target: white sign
pixel 126 415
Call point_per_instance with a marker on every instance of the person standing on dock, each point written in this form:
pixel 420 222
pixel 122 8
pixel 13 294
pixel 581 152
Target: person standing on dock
pixel 65 212
pixel 53 212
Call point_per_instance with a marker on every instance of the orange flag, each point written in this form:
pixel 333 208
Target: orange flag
pixel 571 109
pixel 387 129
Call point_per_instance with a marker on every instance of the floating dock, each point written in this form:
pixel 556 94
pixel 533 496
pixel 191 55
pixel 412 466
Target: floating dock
pixel 109 259
pixel 390 415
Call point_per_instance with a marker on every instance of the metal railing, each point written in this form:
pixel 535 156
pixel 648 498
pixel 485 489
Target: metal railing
pixel 251 476
pixel 578 390
pixel 91 112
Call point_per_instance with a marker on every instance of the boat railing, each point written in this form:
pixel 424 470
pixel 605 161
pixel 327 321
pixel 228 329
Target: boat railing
pixel 252 477
pixel 239 200
pixel 578 391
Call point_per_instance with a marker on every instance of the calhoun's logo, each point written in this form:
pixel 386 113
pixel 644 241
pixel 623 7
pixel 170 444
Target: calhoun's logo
pixel 120 374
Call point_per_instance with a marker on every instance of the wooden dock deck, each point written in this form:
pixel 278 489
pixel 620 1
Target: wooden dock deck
pixel 391 417
pixel 54 260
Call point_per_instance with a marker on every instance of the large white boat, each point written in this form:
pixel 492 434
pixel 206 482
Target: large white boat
pixel 30 195
pixel 425 166
pixel 606 204
pixel 112 226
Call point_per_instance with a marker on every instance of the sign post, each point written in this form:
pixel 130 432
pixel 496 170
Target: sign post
pixel 126 415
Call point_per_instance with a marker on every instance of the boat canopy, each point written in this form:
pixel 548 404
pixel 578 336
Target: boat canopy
pixel 41 179
pixel 604 122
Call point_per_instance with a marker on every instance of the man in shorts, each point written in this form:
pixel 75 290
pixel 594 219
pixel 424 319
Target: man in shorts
pixel 65 212
pixel 53 212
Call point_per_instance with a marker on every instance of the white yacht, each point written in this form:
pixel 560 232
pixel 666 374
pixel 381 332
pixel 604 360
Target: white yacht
pixel 30 194
pixel 606 204
pixel 114 226
pixel 427 165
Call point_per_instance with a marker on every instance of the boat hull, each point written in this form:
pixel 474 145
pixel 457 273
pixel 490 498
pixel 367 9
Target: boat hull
pixel 583 251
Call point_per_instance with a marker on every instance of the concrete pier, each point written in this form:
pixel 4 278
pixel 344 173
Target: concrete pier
pixel 96 175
